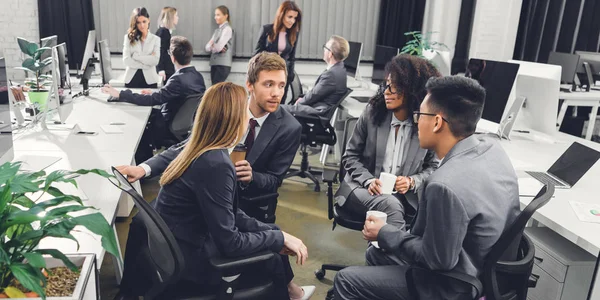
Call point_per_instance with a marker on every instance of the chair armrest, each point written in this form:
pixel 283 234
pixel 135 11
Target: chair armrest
pixel 232 266
pixel 261 197
pixel 330 176
pixel 470 280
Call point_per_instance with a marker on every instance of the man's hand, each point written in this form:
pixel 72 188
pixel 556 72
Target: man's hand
pixel 375 187
pixel 372 227
pixel 162 75
pixel 402 184
pixel 146 92
pixel 299 101
pixel 133 173
pixel 243 171
pixel 293 246
pixel 107 89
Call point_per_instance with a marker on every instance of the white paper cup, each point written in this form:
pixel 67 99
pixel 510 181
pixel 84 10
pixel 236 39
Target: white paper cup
pixel 377 214
pixel 388 181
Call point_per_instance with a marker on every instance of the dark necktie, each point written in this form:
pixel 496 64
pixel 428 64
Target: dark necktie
pixel 249 142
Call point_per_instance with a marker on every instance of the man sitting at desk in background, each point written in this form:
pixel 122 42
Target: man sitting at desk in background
pixel 272 139
pixel 184 82
pixel 331 84
pixel 466 204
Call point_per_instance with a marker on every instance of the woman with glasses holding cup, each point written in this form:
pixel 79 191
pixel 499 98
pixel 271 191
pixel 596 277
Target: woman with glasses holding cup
pixel 384 163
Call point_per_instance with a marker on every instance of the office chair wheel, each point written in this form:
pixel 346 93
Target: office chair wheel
pixel 320 274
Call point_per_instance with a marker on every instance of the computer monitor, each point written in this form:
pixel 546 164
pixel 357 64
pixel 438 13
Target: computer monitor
pixel 89 50
pixel 383 54
pixel 498 79
pixel 49 42
pixel 105 64
pixel 568 62
pixel 352 61
pixel 593 60
pixel 54 108
pixel 6 139
pixel 62 66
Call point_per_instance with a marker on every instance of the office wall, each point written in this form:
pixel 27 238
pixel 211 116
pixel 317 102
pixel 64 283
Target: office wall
pixel 441 17
pixel 494 30
pixel 18 18
pixel 356 20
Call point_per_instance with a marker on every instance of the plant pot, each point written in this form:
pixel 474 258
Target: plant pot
pixel 39 97
pixel 440 59
pixel 87 263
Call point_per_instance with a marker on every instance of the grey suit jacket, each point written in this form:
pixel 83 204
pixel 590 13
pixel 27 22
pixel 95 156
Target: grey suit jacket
pixel 329 88
pixel 365 153
pixel 466 205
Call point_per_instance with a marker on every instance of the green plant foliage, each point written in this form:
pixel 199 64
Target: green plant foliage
pixel 25 220
pixel 420 42
pixel 34 63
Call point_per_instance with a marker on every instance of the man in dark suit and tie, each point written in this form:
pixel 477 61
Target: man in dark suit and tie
pixel 331 84
pixel 272 139
pixel 466 205
pixel 184 82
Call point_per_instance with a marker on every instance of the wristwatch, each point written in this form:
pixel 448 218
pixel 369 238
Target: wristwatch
pixel 412 184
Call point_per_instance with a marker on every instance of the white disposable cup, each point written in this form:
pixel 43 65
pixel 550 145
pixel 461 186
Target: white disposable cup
pixel 388 181
pixel 377 214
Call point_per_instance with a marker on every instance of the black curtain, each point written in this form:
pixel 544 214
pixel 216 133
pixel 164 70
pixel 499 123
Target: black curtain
pixel 396 18
pixel 70 20
pixel 463 37
pixel 557 25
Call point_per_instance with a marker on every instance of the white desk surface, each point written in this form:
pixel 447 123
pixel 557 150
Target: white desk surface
pixel 591 95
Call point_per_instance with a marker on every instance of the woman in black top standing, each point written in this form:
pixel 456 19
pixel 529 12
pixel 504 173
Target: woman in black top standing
pixel 282 37
pixel 166 23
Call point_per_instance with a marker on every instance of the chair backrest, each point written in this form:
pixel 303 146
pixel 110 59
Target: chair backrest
pixel 184 118
pixel 348 130
pixel 296 86
pixel 512 248
pixel 331 112
pixel 316 131
pixel 161 254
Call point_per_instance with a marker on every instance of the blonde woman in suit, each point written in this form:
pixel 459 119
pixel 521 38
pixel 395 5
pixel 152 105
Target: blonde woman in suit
pixel 141 52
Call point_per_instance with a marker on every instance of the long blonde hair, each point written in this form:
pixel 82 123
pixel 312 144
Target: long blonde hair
pixel 167 17
pixel 219 123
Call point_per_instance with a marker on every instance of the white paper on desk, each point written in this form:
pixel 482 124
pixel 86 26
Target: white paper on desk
pixel 529 187
pixel 586 212
pixel 61 126
pixel 111 129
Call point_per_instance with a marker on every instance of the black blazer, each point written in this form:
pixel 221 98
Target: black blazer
pixel 329 88
pixel 271 156
pixel 198 208
pixel 186 81
pixel 289 53
pixel 165 63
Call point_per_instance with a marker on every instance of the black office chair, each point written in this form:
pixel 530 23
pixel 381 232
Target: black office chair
pixel 296 87
pixel 507 268
pixel 336 212
pixel 161 261
pixel 315 131
pixel 183 121
pixel 266 204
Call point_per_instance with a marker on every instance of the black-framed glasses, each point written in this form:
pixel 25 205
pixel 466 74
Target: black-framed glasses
pixel 325 47
pixel 386 86
pixel 417 115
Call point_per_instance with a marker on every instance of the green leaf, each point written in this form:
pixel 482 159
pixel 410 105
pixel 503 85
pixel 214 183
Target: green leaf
pixel 62 211
pixel 35 259
pixel 58 255
pixel 62 229
pixel 5 197
pixel 8 170
pixel 29 235
pixel 4 258
pixel 26 46
pixel 23 201
pixel 43 205
pixel 29 277
pixel 97 224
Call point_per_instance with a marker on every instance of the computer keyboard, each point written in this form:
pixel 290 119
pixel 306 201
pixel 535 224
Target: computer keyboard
pixel 545 178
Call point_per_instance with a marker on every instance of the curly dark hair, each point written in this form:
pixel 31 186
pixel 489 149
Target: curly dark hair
pixel 410 74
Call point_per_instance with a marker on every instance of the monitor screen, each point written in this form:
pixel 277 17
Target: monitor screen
pixel 89 49
pixel 6 139
pixel 105 64
pixel 383 55
pixel 62 65
pixel 568 62
pixel 498 79
pixel 353 59
pixel 574 163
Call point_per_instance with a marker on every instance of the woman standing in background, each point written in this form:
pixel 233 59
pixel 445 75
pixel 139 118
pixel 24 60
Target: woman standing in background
pixel 141 51
pixel 282 37
pixel 220 46
pixel 167 21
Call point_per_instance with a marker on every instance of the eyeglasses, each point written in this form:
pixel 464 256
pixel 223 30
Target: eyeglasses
pixel 325 47
pixel 385 86
pixel 417 115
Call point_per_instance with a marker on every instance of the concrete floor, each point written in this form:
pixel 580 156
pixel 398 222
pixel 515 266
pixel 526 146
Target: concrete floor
pixel 301 212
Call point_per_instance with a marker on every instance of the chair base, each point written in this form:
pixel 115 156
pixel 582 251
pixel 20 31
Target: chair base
pixel 320 273
pixel 305 174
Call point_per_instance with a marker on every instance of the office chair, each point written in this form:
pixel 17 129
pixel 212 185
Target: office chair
pixel 507 268
pixel 161 262
pixel 184 118
pixel 336 212
pixel 296 87
pixel 315 131
pixel 266 204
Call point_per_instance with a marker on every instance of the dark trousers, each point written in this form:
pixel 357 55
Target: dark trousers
pixel 139 82
pixel 155 135
pixel 219 73
pixel 399 212
pixel 168 74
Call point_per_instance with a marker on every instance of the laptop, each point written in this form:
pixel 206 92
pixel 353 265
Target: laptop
pixel 508 122
pixel 569 167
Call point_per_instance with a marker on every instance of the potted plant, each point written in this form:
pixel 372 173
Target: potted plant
pixel 421 45
pixel 32 208
pixel 38 85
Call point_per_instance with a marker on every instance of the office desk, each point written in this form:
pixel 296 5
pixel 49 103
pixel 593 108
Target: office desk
pixel 586 99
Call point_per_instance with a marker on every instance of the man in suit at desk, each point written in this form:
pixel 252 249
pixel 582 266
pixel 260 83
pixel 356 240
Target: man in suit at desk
pixel 466 205
pixel 272 139
pixel 184 82
pixel 331 84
